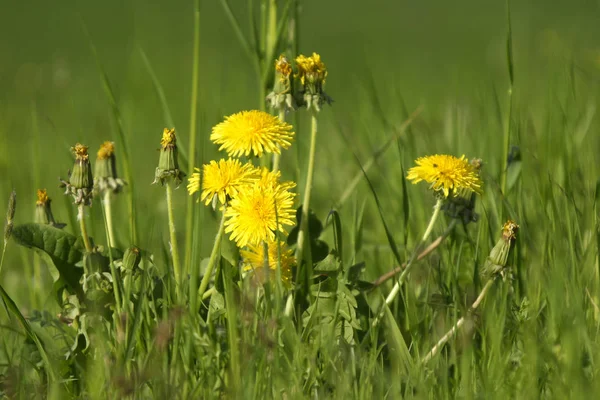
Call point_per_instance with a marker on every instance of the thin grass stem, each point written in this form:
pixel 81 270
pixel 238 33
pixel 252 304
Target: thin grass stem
pixel 173 237
pixel 212 261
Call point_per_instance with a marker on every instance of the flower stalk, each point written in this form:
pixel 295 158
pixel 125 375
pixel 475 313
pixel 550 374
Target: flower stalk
pixel 212 261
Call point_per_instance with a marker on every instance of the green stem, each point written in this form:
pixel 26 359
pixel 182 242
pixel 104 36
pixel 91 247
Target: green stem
pixel 303 233
pixel 277 156
pixel 507 130
pixel 109 222
pixel 189 223
pixel 232 332
pixel 458 324
pixel 396 289
pixel 173 237
pixel 212 261
pixel 82 226
pixel 113 271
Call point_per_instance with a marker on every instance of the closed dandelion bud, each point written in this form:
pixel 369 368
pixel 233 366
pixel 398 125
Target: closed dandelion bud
pixel 168 165
pixel 312 73
pixel 81 181
pixel 105 171
pixel 43 210
pixel 498 258
pixel 131 259
pixel 281 96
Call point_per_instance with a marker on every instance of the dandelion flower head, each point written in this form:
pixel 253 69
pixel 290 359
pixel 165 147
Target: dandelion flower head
pixel 42 197
pixel 254 259
pixel 107 149
pixel 446 173
pixel 255 132
pixel 80 151
pixel 222 179
pixel 311 68
pixel 259 210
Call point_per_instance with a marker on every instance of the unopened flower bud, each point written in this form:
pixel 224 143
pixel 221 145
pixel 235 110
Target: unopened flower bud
pixel 281 96
pixel 81 181
pixel 498 258
pixel 168 164
pixel 105 171
pixel 312 73
pixel 131 259
pixel 43 210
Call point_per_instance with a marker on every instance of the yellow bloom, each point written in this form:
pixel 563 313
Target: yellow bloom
pixel 42 197
pixel 283 67
pixel 311 68
pixel 254 259
pixel 446 173
pixel 252 132
pixel 223 179
pixel 107 149
pixel 169 139
pixel 80 151
pixel 259 210
pixel 509 230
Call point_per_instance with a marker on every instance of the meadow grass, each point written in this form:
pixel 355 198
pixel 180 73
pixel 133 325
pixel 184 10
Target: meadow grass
pixel 523 99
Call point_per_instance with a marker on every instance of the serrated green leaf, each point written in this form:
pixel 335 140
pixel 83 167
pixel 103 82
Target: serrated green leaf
pixel 217 306
pixel 65 250
pixel 328 265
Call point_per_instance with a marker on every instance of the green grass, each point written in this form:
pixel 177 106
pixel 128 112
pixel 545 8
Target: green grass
pixel 536 334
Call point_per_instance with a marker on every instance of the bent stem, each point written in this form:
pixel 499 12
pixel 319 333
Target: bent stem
pixel 212 261
pixel 173 238
pixel 109 223
pixel 82 226
pixel 396 289
pixel 303 233
pixel 458 323
pixel 434 245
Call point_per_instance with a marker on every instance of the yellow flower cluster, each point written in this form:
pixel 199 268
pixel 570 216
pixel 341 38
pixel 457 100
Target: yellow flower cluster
pixel 445 173
pixel 255 202
pixel 311 68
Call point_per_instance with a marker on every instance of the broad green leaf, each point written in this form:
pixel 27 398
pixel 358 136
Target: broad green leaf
pixel 64 249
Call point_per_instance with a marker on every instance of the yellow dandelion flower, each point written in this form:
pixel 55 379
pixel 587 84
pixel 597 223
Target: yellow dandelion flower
pixel 223 179
pixel 80 151
pixel 254 259
pixel 258 211
pixel 169 139
pixel 446 173
pixel 283 67
pixel 509 230
pixel 311 68
pixel 252 132
pixel 107 149
pixel 42 197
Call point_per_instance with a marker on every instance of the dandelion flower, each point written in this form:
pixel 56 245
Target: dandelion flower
pixel 222 179
pixel 259 210
pixel 254 132
pixel 254 259
pixel 446 173
pixel 283 68
pixel 311 69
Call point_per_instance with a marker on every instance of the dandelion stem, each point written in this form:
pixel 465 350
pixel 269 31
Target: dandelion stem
pixel 277 156
pixel 113 270
pixel 212 261
pixel 173 236
pixel 458 323
pixel 109 222
pixel 303 233
pixel 396 289
pixel 82 226
pixel 232 333
pixel 189 225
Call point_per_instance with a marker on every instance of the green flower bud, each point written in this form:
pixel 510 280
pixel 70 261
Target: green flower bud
pixel 105 171
pixel 312 73
pixel 81 181
pixel 131 259
pixel 281 96
pixel 168 164
pixel 498 258
pixel 43 210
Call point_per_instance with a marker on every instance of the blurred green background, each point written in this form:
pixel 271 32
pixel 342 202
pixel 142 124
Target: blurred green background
pixel 385 59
